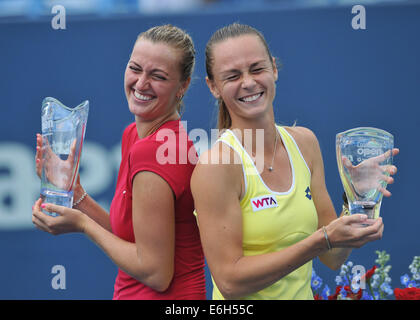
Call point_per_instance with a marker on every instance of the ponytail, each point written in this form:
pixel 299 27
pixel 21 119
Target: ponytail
pixel 223 121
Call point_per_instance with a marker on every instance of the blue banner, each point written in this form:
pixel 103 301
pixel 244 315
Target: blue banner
pixel 336 75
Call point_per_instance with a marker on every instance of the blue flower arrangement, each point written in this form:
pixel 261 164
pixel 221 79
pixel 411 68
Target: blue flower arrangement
pixel 354 283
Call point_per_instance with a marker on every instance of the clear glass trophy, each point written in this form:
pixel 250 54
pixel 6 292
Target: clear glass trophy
pixel 63 132
pixel 363 156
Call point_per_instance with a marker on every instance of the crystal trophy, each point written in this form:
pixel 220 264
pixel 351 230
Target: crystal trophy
pixel 363 156
pixel 63 132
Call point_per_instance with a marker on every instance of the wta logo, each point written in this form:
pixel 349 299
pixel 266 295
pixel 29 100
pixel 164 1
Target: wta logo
pixel 263 202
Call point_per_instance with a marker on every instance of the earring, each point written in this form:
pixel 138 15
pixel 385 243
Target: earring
pixel 180 97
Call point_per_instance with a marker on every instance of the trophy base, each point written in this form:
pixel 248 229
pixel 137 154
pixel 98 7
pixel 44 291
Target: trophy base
pixel 61 198
pixel 363 207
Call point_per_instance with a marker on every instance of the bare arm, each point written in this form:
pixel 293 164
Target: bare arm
pixel 151 258
pixel 91 208
pixel 323 204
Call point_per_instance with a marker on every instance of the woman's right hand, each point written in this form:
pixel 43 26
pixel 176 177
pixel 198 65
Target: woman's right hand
pixel 58 172
pixel 348 232
pixel 38 155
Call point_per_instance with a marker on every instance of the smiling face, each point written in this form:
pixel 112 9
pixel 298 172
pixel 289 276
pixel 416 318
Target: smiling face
pixel 243 76
pixel 152 80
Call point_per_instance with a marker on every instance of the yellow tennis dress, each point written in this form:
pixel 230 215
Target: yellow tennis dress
pixel 276 220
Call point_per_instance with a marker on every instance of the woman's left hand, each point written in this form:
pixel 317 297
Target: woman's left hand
pixel 68 220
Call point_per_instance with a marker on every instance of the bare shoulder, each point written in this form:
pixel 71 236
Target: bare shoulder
pixel 307 142
pixel 218 170
pixel 302 134
pixel 304 137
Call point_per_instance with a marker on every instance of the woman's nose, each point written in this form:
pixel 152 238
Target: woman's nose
pixel 248 81
pixel 142 82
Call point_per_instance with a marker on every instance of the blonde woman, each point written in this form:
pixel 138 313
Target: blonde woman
pixel 151 233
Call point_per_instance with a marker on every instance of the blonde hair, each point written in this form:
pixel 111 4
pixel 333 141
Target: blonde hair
pixel 233 30
pixel 178 39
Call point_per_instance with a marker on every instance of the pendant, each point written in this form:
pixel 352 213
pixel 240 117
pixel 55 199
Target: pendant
pixel 270 169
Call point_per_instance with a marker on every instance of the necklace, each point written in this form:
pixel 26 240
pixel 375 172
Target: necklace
pixel 157 126
pixel 154 128
pixel 270 168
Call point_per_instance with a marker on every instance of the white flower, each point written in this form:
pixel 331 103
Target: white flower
pixel 375 284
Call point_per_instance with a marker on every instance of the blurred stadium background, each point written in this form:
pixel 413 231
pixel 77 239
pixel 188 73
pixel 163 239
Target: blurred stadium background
pixel 333 78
